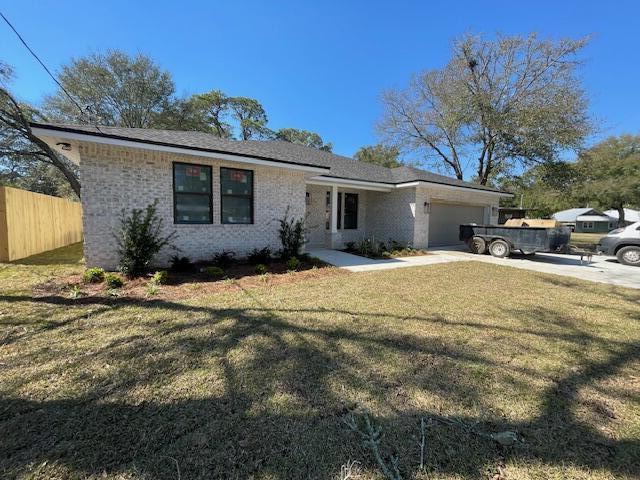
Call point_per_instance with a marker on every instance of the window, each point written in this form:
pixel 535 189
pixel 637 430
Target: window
pixel 236 195
pixel 350 211
pixel 192 193
pixel 339 211
pixel 587 225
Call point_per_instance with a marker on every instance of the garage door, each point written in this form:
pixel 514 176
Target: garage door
pixel 445 221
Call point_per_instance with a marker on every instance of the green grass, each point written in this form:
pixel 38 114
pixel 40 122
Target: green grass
pixel 259 383
pixel 586 238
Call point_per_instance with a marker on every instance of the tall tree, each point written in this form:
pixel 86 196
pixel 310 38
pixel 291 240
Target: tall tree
pixel 302 137
pixel 609 174
pixel 251 118
pixel 379 154
pixel 19 147
pixel 496 104
pixel 214 107
pixel 115 88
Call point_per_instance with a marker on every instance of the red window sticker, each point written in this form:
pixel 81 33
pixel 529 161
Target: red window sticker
pixel 237 176
pixel 193 171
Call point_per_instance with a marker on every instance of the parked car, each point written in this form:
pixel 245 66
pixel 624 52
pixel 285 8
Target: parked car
pixel 624 243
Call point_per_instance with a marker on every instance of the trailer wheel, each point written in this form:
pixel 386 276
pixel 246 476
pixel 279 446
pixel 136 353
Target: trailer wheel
pixel 477 245
pixel 499 248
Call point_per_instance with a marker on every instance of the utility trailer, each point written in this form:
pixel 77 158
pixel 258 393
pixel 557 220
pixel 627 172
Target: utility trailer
pixel 501 240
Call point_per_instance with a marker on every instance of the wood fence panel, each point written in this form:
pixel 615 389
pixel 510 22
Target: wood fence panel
pixel 32 223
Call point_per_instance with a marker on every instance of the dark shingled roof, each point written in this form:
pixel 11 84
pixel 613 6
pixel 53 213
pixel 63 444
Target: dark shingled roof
pixel 278 151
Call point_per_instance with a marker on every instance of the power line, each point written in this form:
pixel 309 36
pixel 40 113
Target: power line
pixel 82 111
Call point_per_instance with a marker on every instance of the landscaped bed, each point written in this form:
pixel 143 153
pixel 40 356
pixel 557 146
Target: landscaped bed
pixel 371 248
pixel 278 381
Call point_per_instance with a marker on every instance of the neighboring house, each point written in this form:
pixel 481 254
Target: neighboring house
pixel 585 220
pixel 223 194
pixel 630 216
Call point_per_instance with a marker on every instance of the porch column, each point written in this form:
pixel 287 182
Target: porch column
pixel 334 209
pixel 335 236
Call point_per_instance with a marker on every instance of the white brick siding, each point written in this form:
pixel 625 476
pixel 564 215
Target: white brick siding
pixel 116 178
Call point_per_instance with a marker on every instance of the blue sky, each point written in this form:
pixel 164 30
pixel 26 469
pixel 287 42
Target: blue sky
pixel 320 66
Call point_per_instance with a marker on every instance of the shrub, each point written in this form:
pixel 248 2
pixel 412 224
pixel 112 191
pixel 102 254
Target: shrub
pixel 181 264
pixel 152 289
pixel 140 238
pixel 293 263
pixel 223 259
pixel 261 269
pixel 214 272
pixel 260 257
pixel 160 277
pixel 113 281
pixel 350 246
pixel 93 275
pixel 292 233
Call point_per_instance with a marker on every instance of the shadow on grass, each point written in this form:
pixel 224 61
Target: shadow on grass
pixel 69 255
pixel 279 411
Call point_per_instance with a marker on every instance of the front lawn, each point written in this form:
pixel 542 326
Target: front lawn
pixel 586 239
pixel 264 381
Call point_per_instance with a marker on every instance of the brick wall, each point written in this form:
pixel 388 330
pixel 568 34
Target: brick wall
pixel 114 178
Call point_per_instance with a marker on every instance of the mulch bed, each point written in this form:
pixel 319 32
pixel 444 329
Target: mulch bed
pixel 396 254
pixel 182 285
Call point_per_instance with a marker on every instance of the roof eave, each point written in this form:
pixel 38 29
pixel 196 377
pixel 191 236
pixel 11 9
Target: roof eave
pixel 50 134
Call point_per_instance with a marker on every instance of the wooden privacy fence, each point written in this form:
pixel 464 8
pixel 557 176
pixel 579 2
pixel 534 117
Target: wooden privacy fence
pixel 31 223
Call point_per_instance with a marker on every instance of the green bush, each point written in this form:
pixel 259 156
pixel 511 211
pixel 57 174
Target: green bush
pixel 214 272
pixel 261 256
pixel 93 275
pixel 181 264
pixel 261 269
pixel 160 277
pixel 223 259
pixel 293 263
pixel 113 281
pixel 140 238
pixel 291 234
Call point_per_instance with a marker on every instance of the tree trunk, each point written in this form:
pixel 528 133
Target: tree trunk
pixel 620 210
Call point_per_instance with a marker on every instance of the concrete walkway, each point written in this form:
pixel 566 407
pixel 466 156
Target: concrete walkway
pixel 356 263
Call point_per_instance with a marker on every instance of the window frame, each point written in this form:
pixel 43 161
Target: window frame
pixel 357 211
pixel 250 197
pixel 209 194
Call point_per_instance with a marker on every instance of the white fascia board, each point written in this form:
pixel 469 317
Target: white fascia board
pixel 451 187
pixel 358 184
pixel 48 134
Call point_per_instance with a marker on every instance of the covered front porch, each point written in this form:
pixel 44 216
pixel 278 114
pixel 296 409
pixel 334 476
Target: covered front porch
pixel 338 213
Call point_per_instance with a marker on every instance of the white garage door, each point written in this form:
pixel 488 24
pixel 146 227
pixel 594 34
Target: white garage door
pixel 445 221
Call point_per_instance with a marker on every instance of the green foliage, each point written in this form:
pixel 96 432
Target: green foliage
pixel 224 259
pixel 383 155
pixel 293 263
pixel 250 116
pixel 76 292
pixel 258 256
pixel 140 238
pixel 122 90
pixel 302 137
pixel 506 102
pixel 113 281
pixel 214 272
pixel 152 289
pixel 292 235
pixel 261 269
pixel 93 275
pixel 350 246
pixel 160 277
pixel 609 173
pixel 181 264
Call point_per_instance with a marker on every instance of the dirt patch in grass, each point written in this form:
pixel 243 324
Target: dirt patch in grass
pixel 261 382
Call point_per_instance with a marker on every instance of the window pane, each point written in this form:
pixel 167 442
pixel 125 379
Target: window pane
pixel 339 211
pixel 236 210
pixel 236 182
pixel 192 178
pixel 192 208
pixel 350 211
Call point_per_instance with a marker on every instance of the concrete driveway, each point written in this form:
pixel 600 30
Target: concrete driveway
pixel 601 269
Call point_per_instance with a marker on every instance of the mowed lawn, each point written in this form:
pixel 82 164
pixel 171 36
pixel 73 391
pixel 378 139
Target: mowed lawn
pixel 261 383
pixel 586 238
